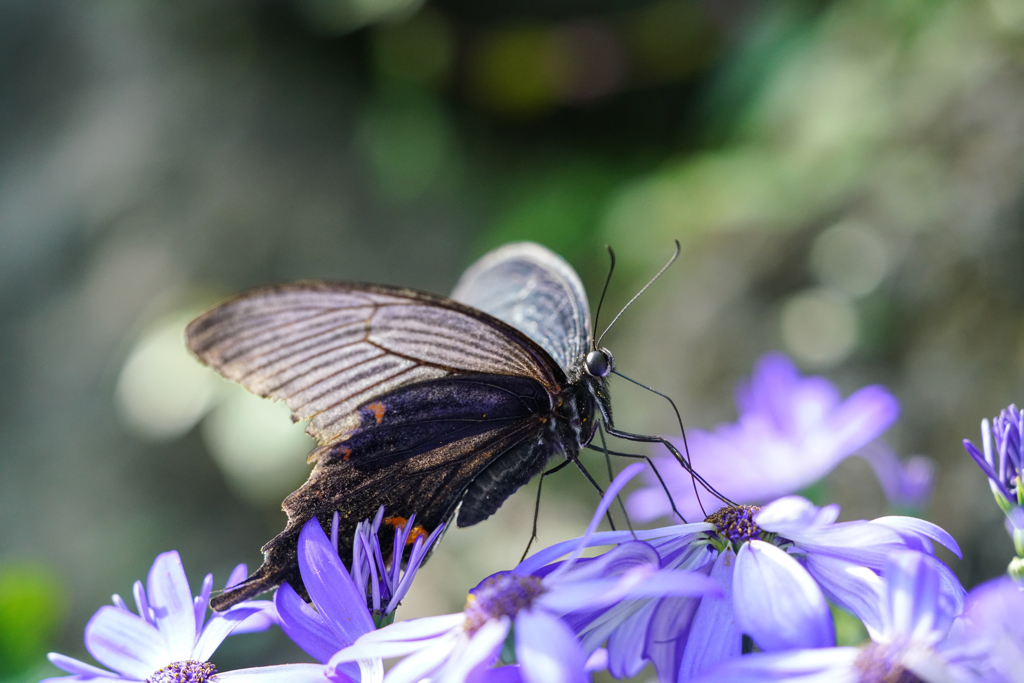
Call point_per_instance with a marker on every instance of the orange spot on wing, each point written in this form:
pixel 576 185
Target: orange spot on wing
pixel 345 453
pixel 378 411
pixel 399 522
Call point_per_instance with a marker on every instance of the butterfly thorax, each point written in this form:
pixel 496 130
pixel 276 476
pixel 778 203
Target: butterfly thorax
pixel 578 409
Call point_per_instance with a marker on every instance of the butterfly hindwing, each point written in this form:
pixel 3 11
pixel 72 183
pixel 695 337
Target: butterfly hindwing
pixel 536 291
pixel 419 450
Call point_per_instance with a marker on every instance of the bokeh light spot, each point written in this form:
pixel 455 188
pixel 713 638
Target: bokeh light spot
pixel 256 445
pixel 819 327
pixel 163 391
pixel 851 257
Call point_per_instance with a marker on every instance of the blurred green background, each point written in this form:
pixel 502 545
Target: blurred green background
pixel 846 179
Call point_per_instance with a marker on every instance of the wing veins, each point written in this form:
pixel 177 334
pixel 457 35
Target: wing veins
pixel 304 360
pixel 324 379
pixel 249 349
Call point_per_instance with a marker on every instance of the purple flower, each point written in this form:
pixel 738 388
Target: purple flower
pixel 778 564
pixel 385 586
pixel 916 609
pixel 1003 466
pixel 457 647
pixel 169 640
pixel 791 432
pixel 993 630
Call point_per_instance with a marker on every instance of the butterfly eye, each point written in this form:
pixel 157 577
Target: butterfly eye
pixel 599 363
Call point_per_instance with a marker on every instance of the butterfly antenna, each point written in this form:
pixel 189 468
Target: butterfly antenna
pixel 600 302
pixel 637 296
pixel 686 447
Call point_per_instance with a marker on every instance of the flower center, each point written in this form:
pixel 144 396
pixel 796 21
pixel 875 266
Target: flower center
pixel 735 525
pixel 183 672
pixel 501 595
pixel 877 663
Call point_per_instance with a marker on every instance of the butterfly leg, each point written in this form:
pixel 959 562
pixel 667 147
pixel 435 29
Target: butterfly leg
pixel 650 462
pixel 611 476
pixel 628 436
pixel 597 486
pixel 536 507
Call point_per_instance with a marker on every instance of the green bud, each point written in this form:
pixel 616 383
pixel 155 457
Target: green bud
pixel 1016 570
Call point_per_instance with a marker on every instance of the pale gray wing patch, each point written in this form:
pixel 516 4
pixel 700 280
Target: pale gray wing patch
pixel 327 349
pixel 534 290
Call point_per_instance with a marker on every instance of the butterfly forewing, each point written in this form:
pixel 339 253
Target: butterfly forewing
pixel 328 348
pixel 535 291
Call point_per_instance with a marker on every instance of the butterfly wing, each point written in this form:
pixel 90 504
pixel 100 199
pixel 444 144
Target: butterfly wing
pixel 411 396
pixel 536 291
pixel 327 348
pixel 422 447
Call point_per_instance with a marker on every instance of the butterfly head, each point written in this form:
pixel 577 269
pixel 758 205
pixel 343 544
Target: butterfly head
pixel 599 363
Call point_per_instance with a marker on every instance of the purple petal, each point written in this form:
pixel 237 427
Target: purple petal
pixel 237 576
pixel 141 603
pixel 170 598
pixel 862 418
pixel 624 656
pixel 403 637
pixel 714 634
pixel 614 488
pixel 201 601
pixel 329 585
pixel 680 532
pixel 500 674
pixel 913 526
pixel 69 679
pixel 827 665
pixel 73 666
pixel 219 628
pixel 794 516
pixel 863 542
pixel 265 617
pixel 125 643
pixel 907 484
pixel 667 634
pixel 280 673
pixel 851 586
pixel 615 562
pixel 985 466
pixel 915 609
pixel 423 663
pixel 777 602
pixel 424 628
pixel 305 626
pixel 547 650
pixel 481 652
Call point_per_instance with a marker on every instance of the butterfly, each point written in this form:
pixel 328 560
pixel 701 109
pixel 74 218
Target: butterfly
pixel 433 406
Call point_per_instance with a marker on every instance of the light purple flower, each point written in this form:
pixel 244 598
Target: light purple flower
pixel 916 610
pixel 791 432
pixel 993 631
pixel 778 564
pixel 457 647
pixel 169 639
